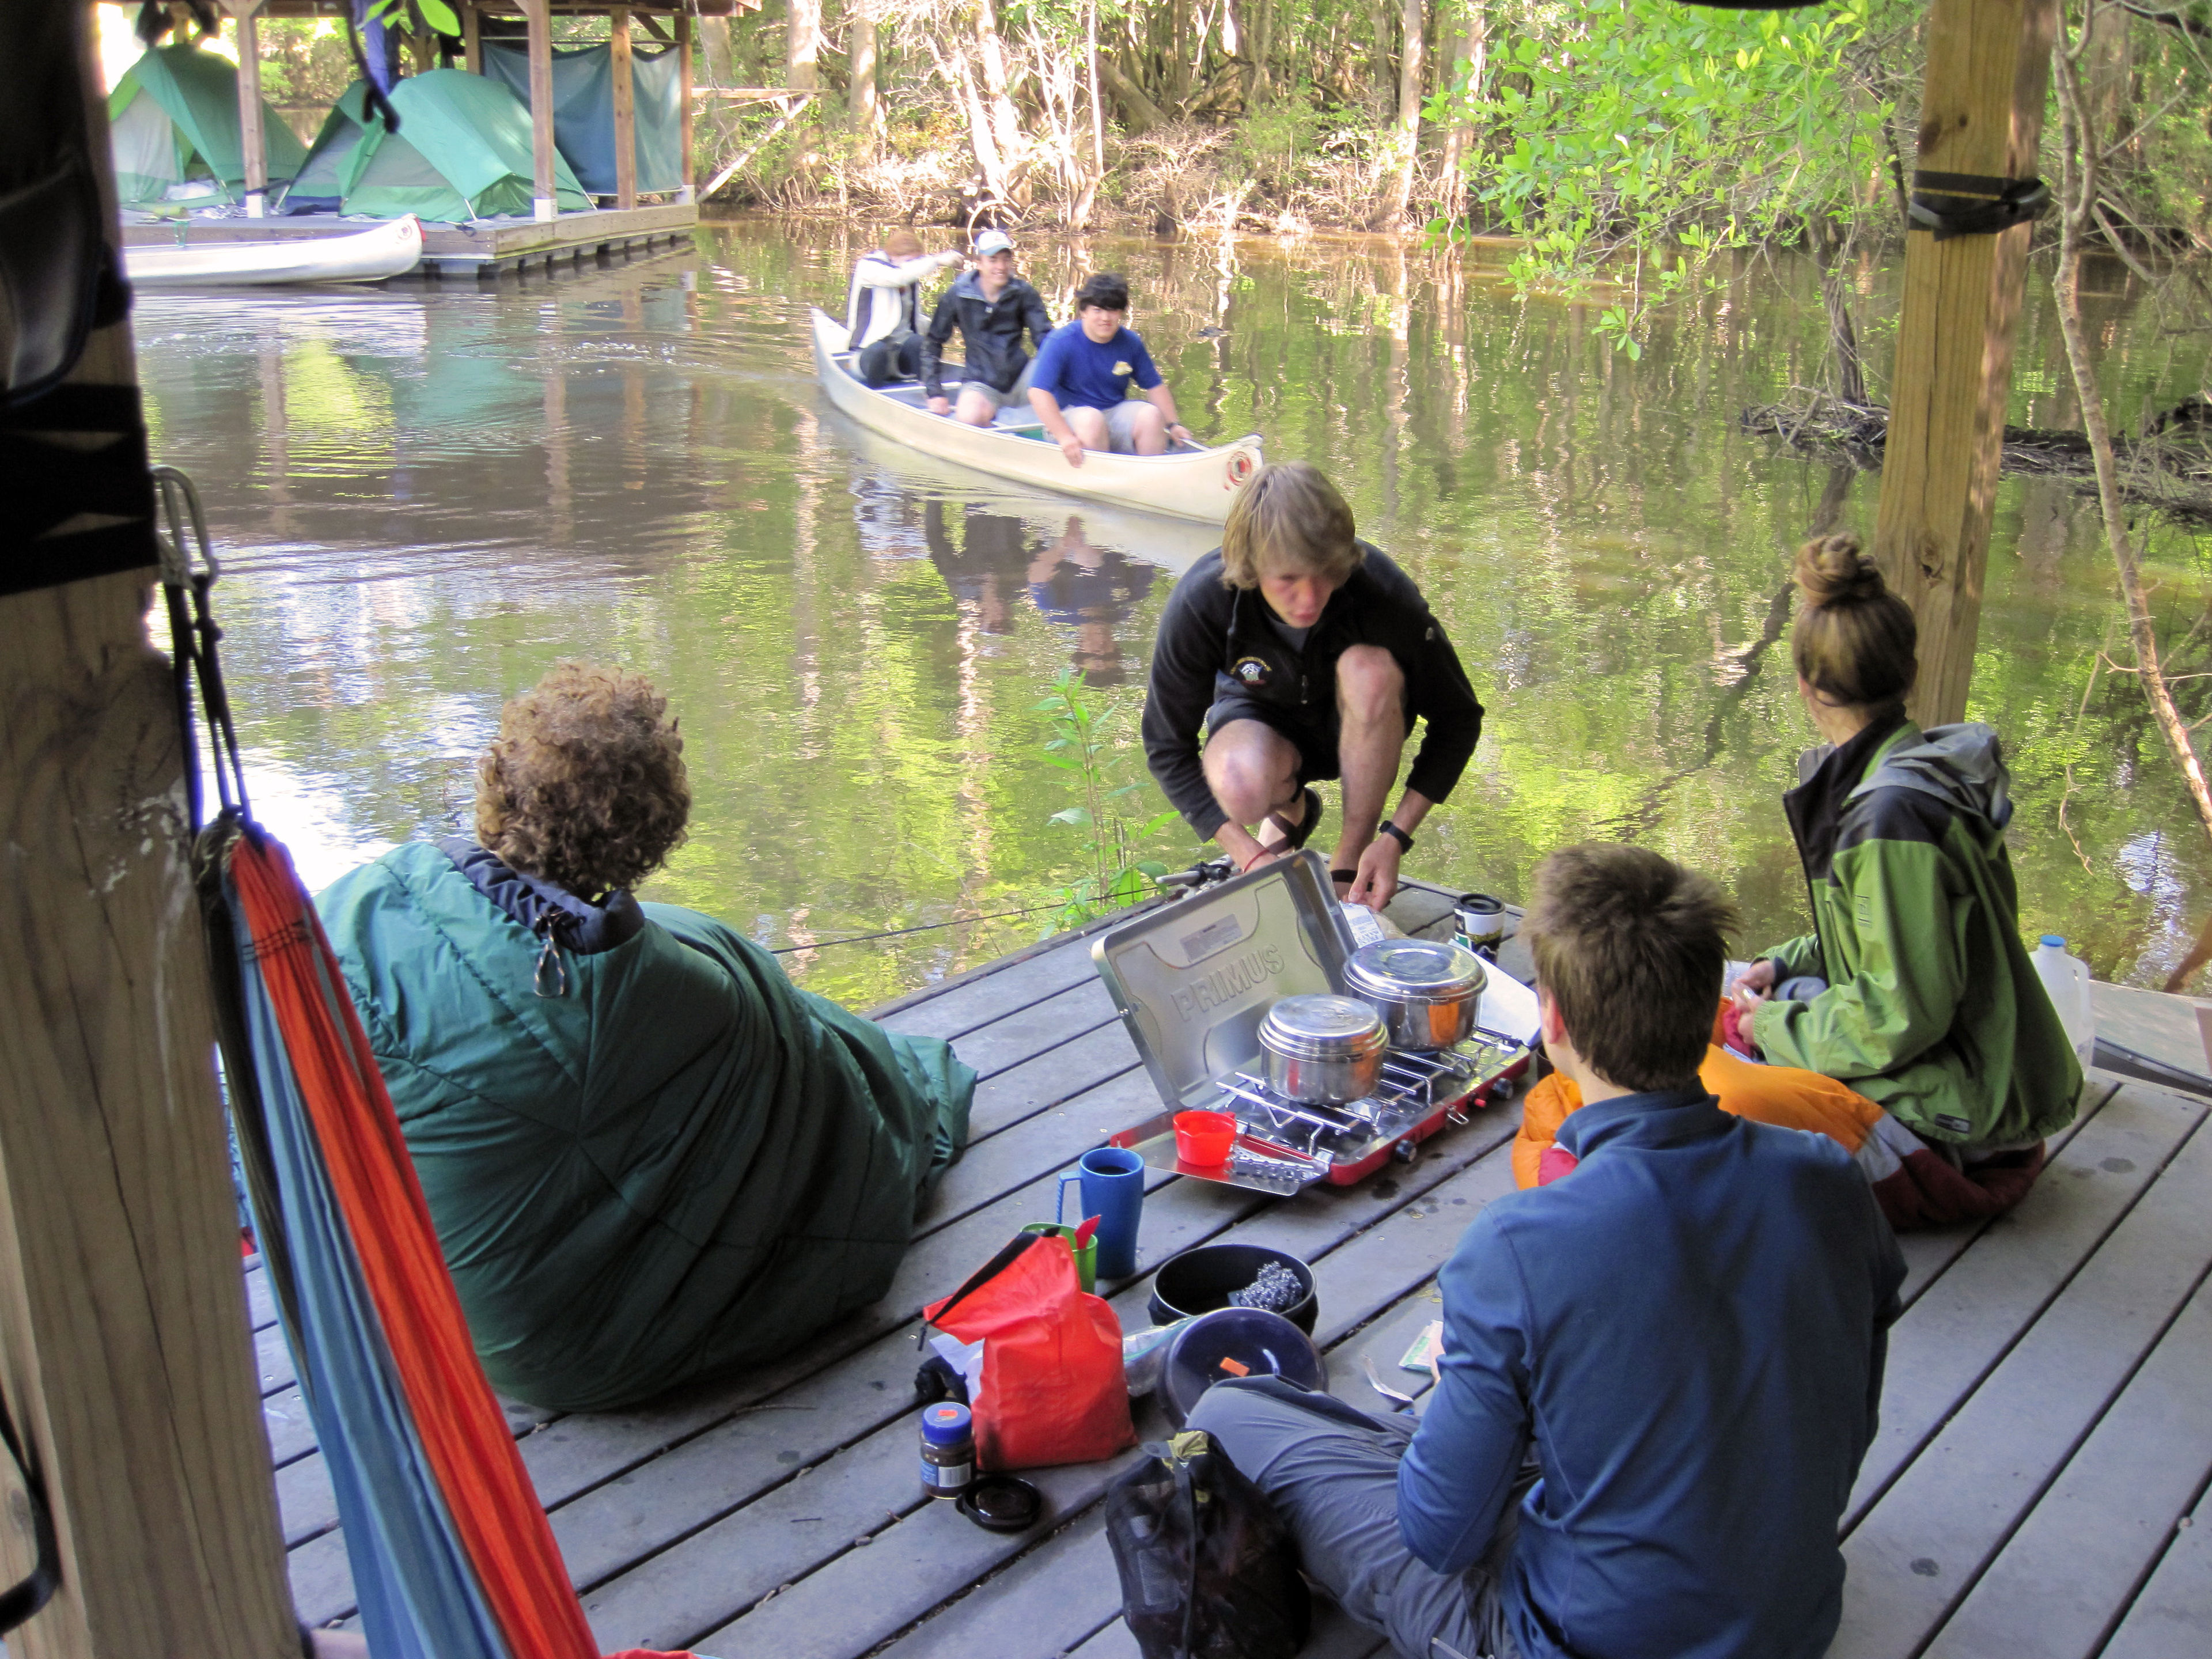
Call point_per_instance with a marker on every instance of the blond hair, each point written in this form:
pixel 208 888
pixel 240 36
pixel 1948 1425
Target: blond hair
pixel 1855 642
pixel 1288 520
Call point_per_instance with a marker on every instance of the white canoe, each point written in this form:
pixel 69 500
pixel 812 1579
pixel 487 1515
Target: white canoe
pixel 368 256
pixel 1190 481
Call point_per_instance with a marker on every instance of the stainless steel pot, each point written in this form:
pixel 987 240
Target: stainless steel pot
pixel 1424 991
pixel 1322 1051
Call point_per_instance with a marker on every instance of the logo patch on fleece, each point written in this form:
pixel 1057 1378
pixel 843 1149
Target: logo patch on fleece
pixel 1120 367
pixel 1251 669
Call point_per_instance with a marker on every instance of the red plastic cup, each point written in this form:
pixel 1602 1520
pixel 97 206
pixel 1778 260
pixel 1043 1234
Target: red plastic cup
pixel 1203 1139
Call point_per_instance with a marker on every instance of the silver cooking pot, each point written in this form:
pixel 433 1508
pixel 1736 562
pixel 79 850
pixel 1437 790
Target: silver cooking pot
pixel 1424 991
pixel 1322 1051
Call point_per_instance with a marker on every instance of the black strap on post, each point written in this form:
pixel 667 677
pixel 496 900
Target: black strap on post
pixel 1971 204
pixel 21 1600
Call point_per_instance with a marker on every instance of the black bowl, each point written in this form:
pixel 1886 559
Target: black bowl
pixel 1236 1342
pixel 1199 1281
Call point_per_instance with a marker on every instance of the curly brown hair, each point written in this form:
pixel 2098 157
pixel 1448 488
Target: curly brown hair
pixel 585 785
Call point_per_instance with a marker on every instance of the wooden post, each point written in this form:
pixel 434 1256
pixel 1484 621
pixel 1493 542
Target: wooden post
pixel 252 142
pixel 125 1346
pixel 544 205
pixel 472 37
pixel 1989 63
pixel 683 71
pixel 625 107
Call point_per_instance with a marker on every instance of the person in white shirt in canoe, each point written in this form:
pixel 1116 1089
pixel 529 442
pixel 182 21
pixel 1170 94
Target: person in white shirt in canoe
pixel 883 308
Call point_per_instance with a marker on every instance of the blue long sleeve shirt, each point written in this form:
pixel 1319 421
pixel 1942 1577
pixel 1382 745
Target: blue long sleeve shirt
pixel 1691 1327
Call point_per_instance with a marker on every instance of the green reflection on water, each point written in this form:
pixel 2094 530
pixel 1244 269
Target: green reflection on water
pixel 426 496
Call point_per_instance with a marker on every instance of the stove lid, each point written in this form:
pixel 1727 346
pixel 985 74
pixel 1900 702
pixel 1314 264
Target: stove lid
pixel 1194 978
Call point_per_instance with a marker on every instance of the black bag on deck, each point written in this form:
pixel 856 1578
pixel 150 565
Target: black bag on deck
pixel 1208 1568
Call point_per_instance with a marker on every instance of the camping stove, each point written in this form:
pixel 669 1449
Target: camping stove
pixel 1193 981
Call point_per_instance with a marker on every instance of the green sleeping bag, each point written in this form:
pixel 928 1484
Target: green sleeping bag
pixel 676 1166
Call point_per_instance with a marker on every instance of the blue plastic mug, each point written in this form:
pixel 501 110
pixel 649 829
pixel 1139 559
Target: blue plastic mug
pixel 1113 1189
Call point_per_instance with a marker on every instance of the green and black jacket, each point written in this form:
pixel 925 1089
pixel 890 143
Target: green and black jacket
pixel 1933 1010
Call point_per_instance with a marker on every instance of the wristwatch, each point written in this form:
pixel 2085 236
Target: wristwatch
pixel 1405 842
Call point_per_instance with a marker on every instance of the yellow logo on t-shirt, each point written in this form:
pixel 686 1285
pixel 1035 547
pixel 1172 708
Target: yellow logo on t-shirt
pixel 1123 368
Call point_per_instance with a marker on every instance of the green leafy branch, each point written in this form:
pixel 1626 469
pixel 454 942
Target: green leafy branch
pixel 1085 741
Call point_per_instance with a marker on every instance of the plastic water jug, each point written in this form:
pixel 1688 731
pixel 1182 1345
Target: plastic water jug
pixel 2066 977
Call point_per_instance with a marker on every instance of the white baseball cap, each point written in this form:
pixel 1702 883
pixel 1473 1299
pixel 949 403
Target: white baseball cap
pixel 994 241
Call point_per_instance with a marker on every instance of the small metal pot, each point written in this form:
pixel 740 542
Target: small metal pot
pixel 1322 1051
pixel 1424 991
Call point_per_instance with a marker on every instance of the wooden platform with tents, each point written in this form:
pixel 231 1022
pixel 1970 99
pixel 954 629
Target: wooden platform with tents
pixel 519 156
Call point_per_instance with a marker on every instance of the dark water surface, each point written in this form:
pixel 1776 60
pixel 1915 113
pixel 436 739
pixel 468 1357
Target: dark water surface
pixel 423 498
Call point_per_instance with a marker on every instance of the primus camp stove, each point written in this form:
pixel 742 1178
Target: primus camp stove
pixel 1194 978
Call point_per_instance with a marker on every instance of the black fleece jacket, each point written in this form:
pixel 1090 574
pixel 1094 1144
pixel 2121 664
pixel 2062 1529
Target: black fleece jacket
pixel 990 332
pixel 1216 640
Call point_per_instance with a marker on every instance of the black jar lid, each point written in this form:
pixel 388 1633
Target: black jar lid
pixel 1002 1502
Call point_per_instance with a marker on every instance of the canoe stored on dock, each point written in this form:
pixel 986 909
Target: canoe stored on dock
pixel 381 251
pixel 1191 480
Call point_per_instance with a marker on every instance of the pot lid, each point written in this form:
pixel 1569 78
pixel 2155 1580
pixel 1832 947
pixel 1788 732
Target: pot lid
pixel 1416 970
pixel 1322 1028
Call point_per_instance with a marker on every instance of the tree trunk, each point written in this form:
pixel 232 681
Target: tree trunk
pixel 802 41
pixel 1179 53
pixel 1005 120
pixel 1412 64
pixel 2079 148
pixel 1138 114
pixel 1470 58
pixel 714 50
pixel 861 103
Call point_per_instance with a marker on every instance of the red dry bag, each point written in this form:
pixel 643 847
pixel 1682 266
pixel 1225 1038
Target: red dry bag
pixel 1052 1389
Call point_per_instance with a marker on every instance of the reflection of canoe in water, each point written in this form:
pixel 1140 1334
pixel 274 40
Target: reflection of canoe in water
pixel 1157 538
pixel 1191 482
pixel 381 251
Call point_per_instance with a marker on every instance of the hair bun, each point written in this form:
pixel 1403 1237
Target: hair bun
pixel 1834 571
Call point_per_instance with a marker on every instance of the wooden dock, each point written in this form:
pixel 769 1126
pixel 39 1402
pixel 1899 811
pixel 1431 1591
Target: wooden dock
pixel 2039 1490
pixel 490 248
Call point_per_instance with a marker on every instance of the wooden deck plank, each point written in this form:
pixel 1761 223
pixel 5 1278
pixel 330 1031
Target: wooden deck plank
pixel 1922 1547
pixel 851 1604
pixel 2170 1618
pixel 2067 1574
pixel 1965 1323
pixel 1044 1603
pixel 1020 1092
pixel 1928 1254
pixel 976 1003
pixel 1028 1032
pixel 1334 1637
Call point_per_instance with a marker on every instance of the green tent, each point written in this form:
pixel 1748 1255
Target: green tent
pixel 172 119
pixel 462 152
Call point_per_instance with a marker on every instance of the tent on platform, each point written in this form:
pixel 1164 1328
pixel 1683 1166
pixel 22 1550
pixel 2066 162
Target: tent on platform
pixel 462 152
pixel 172 121
pixel 583 109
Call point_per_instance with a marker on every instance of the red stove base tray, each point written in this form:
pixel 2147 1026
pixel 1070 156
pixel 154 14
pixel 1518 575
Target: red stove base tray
pixel 1154 1141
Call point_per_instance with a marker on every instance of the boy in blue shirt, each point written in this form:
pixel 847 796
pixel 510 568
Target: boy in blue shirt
pixel 1080 383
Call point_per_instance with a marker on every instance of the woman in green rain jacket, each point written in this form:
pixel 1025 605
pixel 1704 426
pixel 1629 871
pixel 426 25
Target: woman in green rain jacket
pixel 1914 987
pixel 650 1158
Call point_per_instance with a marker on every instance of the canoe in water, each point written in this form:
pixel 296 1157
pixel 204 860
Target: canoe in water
pixel 369 256
pixel 1190 481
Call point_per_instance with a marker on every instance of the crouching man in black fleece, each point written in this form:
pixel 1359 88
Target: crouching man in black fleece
pixel 1299 652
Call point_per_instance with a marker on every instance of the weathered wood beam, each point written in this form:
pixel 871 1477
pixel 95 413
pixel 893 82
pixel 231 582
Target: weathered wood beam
pixel 685 66
pixel 472 37
pixel 125 1346
pixel 625 99
pixel 1982 115
pixel 252 142
pixel 545 202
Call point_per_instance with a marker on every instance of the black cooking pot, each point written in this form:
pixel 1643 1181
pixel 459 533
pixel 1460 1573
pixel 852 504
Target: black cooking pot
pixel 1199 1280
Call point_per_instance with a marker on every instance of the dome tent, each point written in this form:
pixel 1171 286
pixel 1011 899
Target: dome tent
pixel 462 152
pixel 173 119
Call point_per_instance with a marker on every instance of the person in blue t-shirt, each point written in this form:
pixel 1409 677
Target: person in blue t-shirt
pixel 1080 384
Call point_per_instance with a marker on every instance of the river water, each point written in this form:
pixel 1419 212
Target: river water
pixel 424 497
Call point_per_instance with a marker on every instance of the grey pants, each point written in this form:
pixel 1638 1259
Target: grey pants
pixel 1332 1473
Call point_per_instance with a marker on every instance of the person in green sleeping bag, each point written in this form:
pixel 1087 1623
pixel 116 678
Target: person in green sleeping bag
pixel 651 1159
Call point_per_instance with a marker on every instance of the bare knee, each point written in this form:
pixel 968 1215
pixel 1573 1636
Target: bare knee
pixel 1370 684
pixel 1148 431
pixel 1089 425
pixel 975 408
pixel 1249 775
